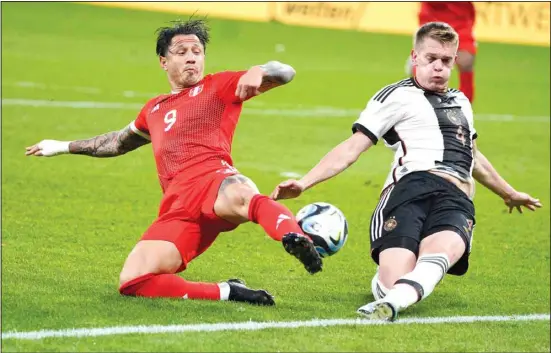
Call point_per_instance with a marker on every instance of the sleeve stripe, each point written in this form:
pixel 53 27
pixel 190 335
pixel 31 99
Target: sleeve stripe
pixel 359 127
pixel 139 132
pixel 380 95
pixel 386 94
pixel 383 94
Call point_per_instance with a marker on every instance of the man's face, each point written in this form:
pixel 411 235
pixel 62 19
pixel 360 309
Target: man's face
pixel 185 60
pixel 433 63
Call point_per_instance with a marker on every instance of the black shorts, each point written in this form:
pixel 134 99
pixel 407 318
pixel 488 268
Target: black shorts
pixel 419 205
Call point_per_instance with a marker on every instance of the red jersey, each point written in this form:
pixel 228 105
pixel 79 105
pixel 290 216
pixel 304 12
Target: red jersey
pixel 193 126
pixel 458 13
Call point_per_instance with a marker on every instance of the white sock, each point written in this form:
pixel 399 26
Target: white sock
pixel 224 290
pixel 377 288
pixel 419 283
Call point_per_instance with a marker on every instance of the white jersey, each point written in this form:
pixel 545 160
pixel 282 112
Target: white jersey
pixel 427 130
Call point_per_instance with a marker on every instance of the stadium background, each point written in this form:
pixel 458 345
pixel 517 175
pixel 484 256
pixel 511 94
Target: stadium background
pixel 72 71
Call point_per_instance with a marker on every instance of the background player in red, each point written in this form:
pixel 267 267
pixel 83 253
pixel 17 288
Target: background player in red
pixel 191 131
pixel 461 16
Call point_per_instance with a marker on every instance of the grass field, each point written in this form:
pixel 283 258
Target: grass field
pixel 69 222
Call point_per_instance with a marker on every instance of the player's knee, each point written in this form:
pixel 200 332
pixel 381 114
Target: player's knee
pixel 127 275
pixel 150 256
pixel 448 242
pixel 130 273
pixel 245 194
pixel 239 196
pixel 465 61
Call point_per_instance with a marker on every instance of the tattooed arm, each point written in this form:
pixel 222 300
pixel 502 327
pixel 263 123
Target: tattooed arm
pixel 111 144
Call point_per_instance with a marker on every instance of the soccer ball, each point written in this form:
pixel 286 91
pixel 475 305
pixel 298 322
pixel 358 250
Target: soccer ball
pixel 326 225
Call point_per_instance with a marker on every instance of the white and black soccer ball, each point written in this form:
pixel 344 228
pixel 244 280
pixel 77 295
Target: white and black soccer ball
pixel 326 225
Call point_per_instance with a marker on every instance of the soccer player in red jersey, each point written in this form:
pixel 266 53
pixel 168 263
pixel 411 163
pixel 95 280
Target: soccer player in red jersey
pixel 191 131
pixel 461 16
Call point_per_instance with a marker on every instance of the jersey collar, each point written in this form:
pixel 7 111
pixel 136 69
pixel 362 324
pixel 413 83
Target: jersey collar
pixel 190 87
pixel 416 84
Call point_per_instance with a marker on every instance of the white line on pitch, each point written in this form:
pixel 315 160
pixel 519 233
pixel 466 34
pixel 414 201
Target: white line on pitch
pixel 29 84
pixel 253 326
pixel 321 112
pixel 70 104
pixel 290 174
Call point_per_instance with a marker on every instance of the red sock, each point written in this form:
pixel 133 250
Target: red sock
pixel 275 218
pixel 466 84
pixel 169 286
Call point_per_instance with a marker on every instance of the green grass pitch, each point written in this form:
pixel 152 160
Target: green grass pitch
pixel 69 222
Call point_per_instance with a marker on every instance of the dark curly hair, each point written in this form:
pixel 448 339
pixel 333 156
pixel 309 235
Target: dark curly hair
pixel 191 26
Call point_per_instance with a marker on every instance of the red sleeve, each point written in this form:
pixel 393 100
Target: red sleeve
pixel 226 84
pixel 139 126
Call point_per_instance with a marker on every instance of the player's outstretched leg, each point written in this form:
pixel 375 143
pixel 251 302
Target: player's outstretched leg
pixel 149 271
pixel 394 263
pixel 239 201
pixel 173 286
pixel 437 253
pixel 280 224
pixel 409 289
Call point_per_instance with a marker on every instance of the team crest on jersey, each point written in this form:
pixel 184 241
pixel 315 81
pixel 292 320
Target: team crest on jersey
pixel 453 116
pixel 195 91
pixel 390 224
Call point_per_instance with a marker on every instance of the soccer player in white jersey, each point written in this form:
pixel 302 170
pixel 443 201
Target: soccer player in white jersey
pixel 422 226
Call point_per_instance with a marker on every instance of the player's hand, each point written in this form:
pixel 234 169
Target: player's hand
pixel 519 199
pixel 249 83
pixel 287 190
pixel 48 148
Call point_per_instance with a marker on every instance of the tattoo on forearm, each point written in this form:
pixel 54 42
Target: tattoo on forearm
pixel 129 141
pixel 111 144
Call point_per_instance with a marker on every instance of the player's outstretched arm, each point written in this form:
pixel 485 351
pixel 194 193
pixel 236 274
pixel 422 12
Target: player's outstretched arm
pixel 263 78
pixel 485 173
pixel 336 161
pixel 111 144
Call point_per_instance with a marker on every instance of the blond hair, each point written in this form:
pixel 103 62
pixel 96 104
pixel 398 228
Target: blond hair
pixel 440 31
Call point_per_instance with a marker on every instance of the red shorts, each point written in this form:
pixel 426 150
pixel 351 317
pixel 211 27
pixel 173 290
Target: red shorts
pixel 186 214
pixel 459 15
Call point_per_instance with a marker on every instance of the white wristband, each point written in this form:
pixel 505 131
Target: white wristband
pixel 64 146
pixel 50 148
